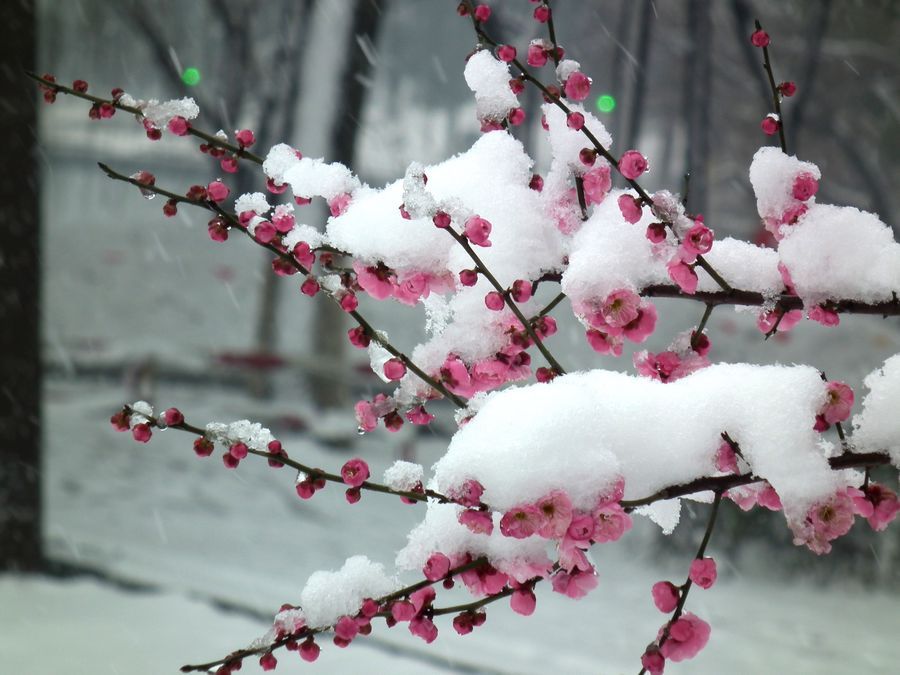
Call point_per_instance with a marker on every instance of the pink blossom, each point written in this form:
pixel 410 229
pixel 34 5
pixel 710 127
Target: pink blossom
pixel 422 598
pixel 516 116
pixel 557 512
pixel 571 554
pixel 203 447
pixel 687 636
pixel 597 183
pixel 402 610
pixel 770 125
pixel 141 432
pixel 463 623
pixel 652 661
pixel 575 121
pixel 656 232
pixel 759 38
pixel 418 415
pixel 703 572
pixel 376 281
pixel 455 375
pixel 506 53
pixel 422 626
pixel 349 302
pixel 468 494
pixel 365 416
pixel 346 628
pixel 468 277
pixel 394 369
pixel 885 506
pixel 575 584
pixel 697 241
pixel 611 523
pixel 484 580
pixel 516 85
pixel 823 315
pixel 537 55
pixel 238 450
pixel 355 472
pixel 683 275
pixel 620 308
pixel 665 596
pixel 478 230
pixel 303 254
pixel 441 220
pixel 436 567
pixel 838 402
pixel 726 459
pixel 604 343
pixel 542 13
pixel 230 461
pixel 339 204
pixel 805 186
pixel 587 156
pixel 630 208
pixel 264 232
pixel 768 320
pixel 523 601
pixel 633 164
pixel 358 337
pixel 536 183
pixel 664 366
pixel 825 522
pixel 229 164
pixel 577 86
pixel 479 522
pixel 494 301
pixel 581 528
pixel 521 521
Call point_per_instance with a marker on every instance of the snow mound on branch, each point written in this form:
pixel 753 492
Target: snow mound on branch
pixel 490 180
pixel 877 427
pixel 440 531
pixel 160 114
pixel 318 178
pixel 772 175
pixel 489 79
pixel 582 431
pixel 328 596
pixel 252 434
pixel 566 143
pixel 840 252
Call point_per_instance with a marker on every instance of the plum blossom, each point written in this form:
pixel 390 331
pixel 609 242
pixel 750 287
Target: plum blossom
pixel 687 636
pixel 703 572
pixel 665 596
pixel 633 164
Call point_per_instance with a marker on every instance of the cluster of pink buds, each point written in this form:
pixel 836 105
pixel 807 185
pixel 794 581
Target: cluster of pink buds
pixel 539 51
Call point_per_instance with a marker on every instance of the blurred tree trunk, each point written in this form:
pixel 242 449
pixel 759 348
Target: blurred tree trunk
pixel 20 367
pixel 329 345
pixel 697 97
pixel 636 114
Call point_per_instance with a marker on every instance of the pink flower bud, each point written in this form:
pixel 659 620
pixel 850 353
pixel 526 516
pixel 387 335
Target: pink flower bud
pixel 203 447
pixel 217 191
pixel 506 53
pixel 309 287
pixel 305 489
pixel 394 369
pixel 179 126
pixel 349 302
pixel 544 374
pixel 309 650
pixel 523 601
pixel 268 661
pixel 537 55
pixel 494 301
pixel 238 450
pixel 482 13
pixel 575 121
pixel 352 495
pixel 80 86
pixel 542 13
pixel 516 116
pixel 703 572
pixel 577 86
pixel 245 138
pixel 170 208
pixel 141 432
pixel 229 164
pixel 230 461
pixel 121 421
pixel 630 208
pixel 355 472
pixel 441 220
pixel 516 85
pixel 173 417
pixel 358 337
pixel 536 183
pixel 787 89
pixel 805 186
pixel 468 277
pixel 652 661
pixel 665 596
pixel 437 567
pixel 632 164
pixel 478 230
pixel 770 124
pixel 759 38
pixel 656 232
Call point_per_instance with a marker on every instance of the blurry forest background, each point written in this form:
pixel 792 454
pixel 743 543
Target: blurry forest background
pixel 134 305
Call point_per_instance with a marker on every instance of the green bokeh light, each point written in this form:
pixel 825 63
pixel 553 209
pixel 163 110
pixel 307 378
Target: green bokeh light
pixel 190 76
pixel 606 103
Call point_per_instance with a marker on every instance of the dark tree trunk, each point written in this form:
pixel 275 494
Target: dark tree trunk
pixel 20 368
pixel 328 339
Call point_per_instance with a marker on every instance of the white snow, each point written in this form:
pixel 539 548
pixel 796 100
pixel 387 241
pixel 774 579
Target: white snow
pixel 402 475
pixel 160 113
pixel 328 596
pixel 877 427
pixel 489 79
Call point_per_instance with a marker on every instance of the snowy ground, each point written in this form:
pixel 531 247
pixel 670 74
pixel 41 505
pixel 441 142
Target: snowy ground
pixel 201 536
